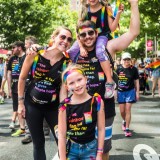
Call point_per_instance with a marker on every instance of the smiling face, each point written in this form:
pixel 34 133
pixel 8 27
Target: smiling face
pixel 88 37
pixel 63 40
pixel 76 82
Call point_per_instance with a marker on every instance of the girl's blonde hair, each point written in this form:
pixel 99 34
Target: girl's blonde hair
pixel 71 67
pixel 84 8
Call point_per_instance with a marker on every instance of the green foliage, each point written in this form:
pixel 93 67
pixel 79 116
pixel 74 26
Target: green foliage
pixel 32 17
pixel 20 18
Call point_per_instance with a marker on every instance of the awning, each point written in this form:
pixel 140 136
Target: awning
pixel 3 51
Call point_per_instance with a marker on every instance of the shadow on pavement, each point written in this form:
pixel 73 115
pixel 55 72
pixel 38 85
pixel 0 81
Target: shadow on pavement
pixel 134 136
pixel 121 157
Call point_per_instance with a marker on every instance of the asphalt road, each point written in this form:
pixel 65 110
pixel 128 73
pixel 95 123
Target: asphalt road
pixel 143 145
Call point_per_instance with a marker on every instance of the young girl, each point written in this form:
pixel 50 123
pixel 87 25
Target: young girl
pixel 78 117
pixel 100 13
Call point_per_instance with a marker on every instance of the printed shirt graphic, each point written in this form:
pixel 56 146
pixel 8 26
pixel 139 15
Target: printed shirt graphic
pixel 81 121
pixel 126 77
pixel 94 73
pixel 97 19
pixel 14 65
pixel 46 86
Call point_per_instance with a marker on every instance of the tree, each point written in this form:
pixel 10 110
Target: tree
pixel 31 17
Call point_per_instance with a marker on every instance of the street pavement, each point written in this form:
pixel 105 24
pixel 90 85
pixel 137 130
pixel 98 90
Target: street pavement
pixel 143 145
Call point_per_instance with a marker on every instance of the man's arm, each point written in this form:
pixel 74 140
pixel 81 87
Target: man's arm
pixel 124 40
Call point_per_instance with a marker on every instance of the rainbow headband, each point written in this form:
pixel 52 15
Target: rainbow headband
pixel 69 72
pixel 83 27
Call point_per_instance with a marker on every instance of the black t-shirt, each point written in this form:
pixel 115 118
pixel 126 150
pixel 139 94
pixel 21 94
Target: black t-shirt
pixel 96 80
pixel 46 80
pixel 14 65
pixel 96 17
pixel 126 77
pixel 82 121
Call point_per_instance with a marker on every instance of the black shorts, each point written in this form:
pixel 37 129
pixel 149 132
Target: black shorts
pixel 15 101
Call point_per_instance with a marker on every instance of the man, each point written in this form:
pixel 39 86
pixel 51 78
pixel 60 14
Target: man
pixel 14 68
pixel 87 35
pixel 29 41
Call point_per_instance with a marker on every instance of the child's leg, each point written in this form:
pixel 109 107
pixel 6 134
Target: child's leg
pixel 73 51
pixel 102 57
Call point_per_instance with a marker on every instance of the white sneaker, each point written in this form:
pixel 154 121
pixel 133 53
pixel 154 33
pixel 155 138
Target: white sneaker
pixel 12 125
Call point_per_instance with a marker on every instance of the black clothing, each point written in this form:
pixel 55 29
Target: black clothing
pixel 14 65
pixel 97 80
pixel 126 77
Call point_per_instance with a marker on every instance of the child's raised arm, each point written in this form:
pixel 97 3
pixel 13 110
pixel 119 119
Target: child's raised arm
pixel 113 24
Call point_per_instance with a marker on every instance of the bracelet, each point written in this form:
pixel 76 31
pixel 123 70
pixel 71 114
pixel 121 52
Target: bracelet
pixel 20 98
pixel 100 152
pixel 99 149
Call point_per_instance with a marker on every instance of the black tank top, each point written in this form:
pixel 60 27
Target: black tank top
pixel 45 85
pixel 96 17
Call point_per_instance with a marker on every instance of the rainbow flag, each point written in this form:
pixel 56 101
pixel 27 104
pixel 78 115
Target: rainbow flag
pixel 153 66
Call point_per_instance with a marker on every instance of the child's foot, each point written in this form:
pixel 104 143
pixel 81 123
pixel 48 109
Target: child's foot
pixel 109 92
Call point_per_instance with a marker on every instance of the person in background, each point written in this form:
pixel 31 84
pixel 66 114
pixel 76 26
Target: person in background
pixel 128 90
pixel 13 71
pixel 79 115
pixel 154 67
pixel 4 79
pixel 2 66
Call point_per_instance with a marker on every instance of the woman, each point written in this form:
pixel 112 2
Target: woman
pixel 128 90
pixel 42 95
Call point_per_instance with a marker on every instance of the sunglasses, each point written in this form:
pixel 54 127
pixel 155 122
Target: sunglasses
pixel 63 37
pixel 127 59
pixel 84 34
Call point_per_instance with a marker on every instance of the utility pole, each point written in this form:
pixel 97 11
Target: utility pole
pixel 145 45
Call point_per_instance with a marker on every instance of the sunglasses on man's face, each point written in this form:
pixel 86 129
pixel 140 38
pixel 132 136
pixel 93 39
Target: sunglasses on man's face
pixel 63 37
pixel 84 34
pixel 127 59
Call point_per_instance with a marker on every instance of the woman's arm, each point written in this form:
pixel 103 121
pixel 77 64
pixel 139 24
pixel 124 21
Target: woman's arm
pixel 136 83
pixel 22 81
pixel 101 128
pixel 62 129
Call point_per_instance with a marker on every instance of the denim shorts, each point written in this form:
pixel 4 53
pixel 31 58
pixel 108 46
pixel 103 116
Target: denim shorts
pixel 126 96
pixel 83 151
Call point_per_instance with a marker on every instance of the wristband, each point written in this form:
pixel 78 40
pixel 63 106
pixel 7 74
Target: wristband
pixel 20 98
pixel 99 149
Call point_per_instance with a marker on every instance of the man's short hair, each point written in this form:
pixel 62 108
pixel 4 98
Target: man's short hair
pixel 85 24
pixel 19 44
pixel 31 39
